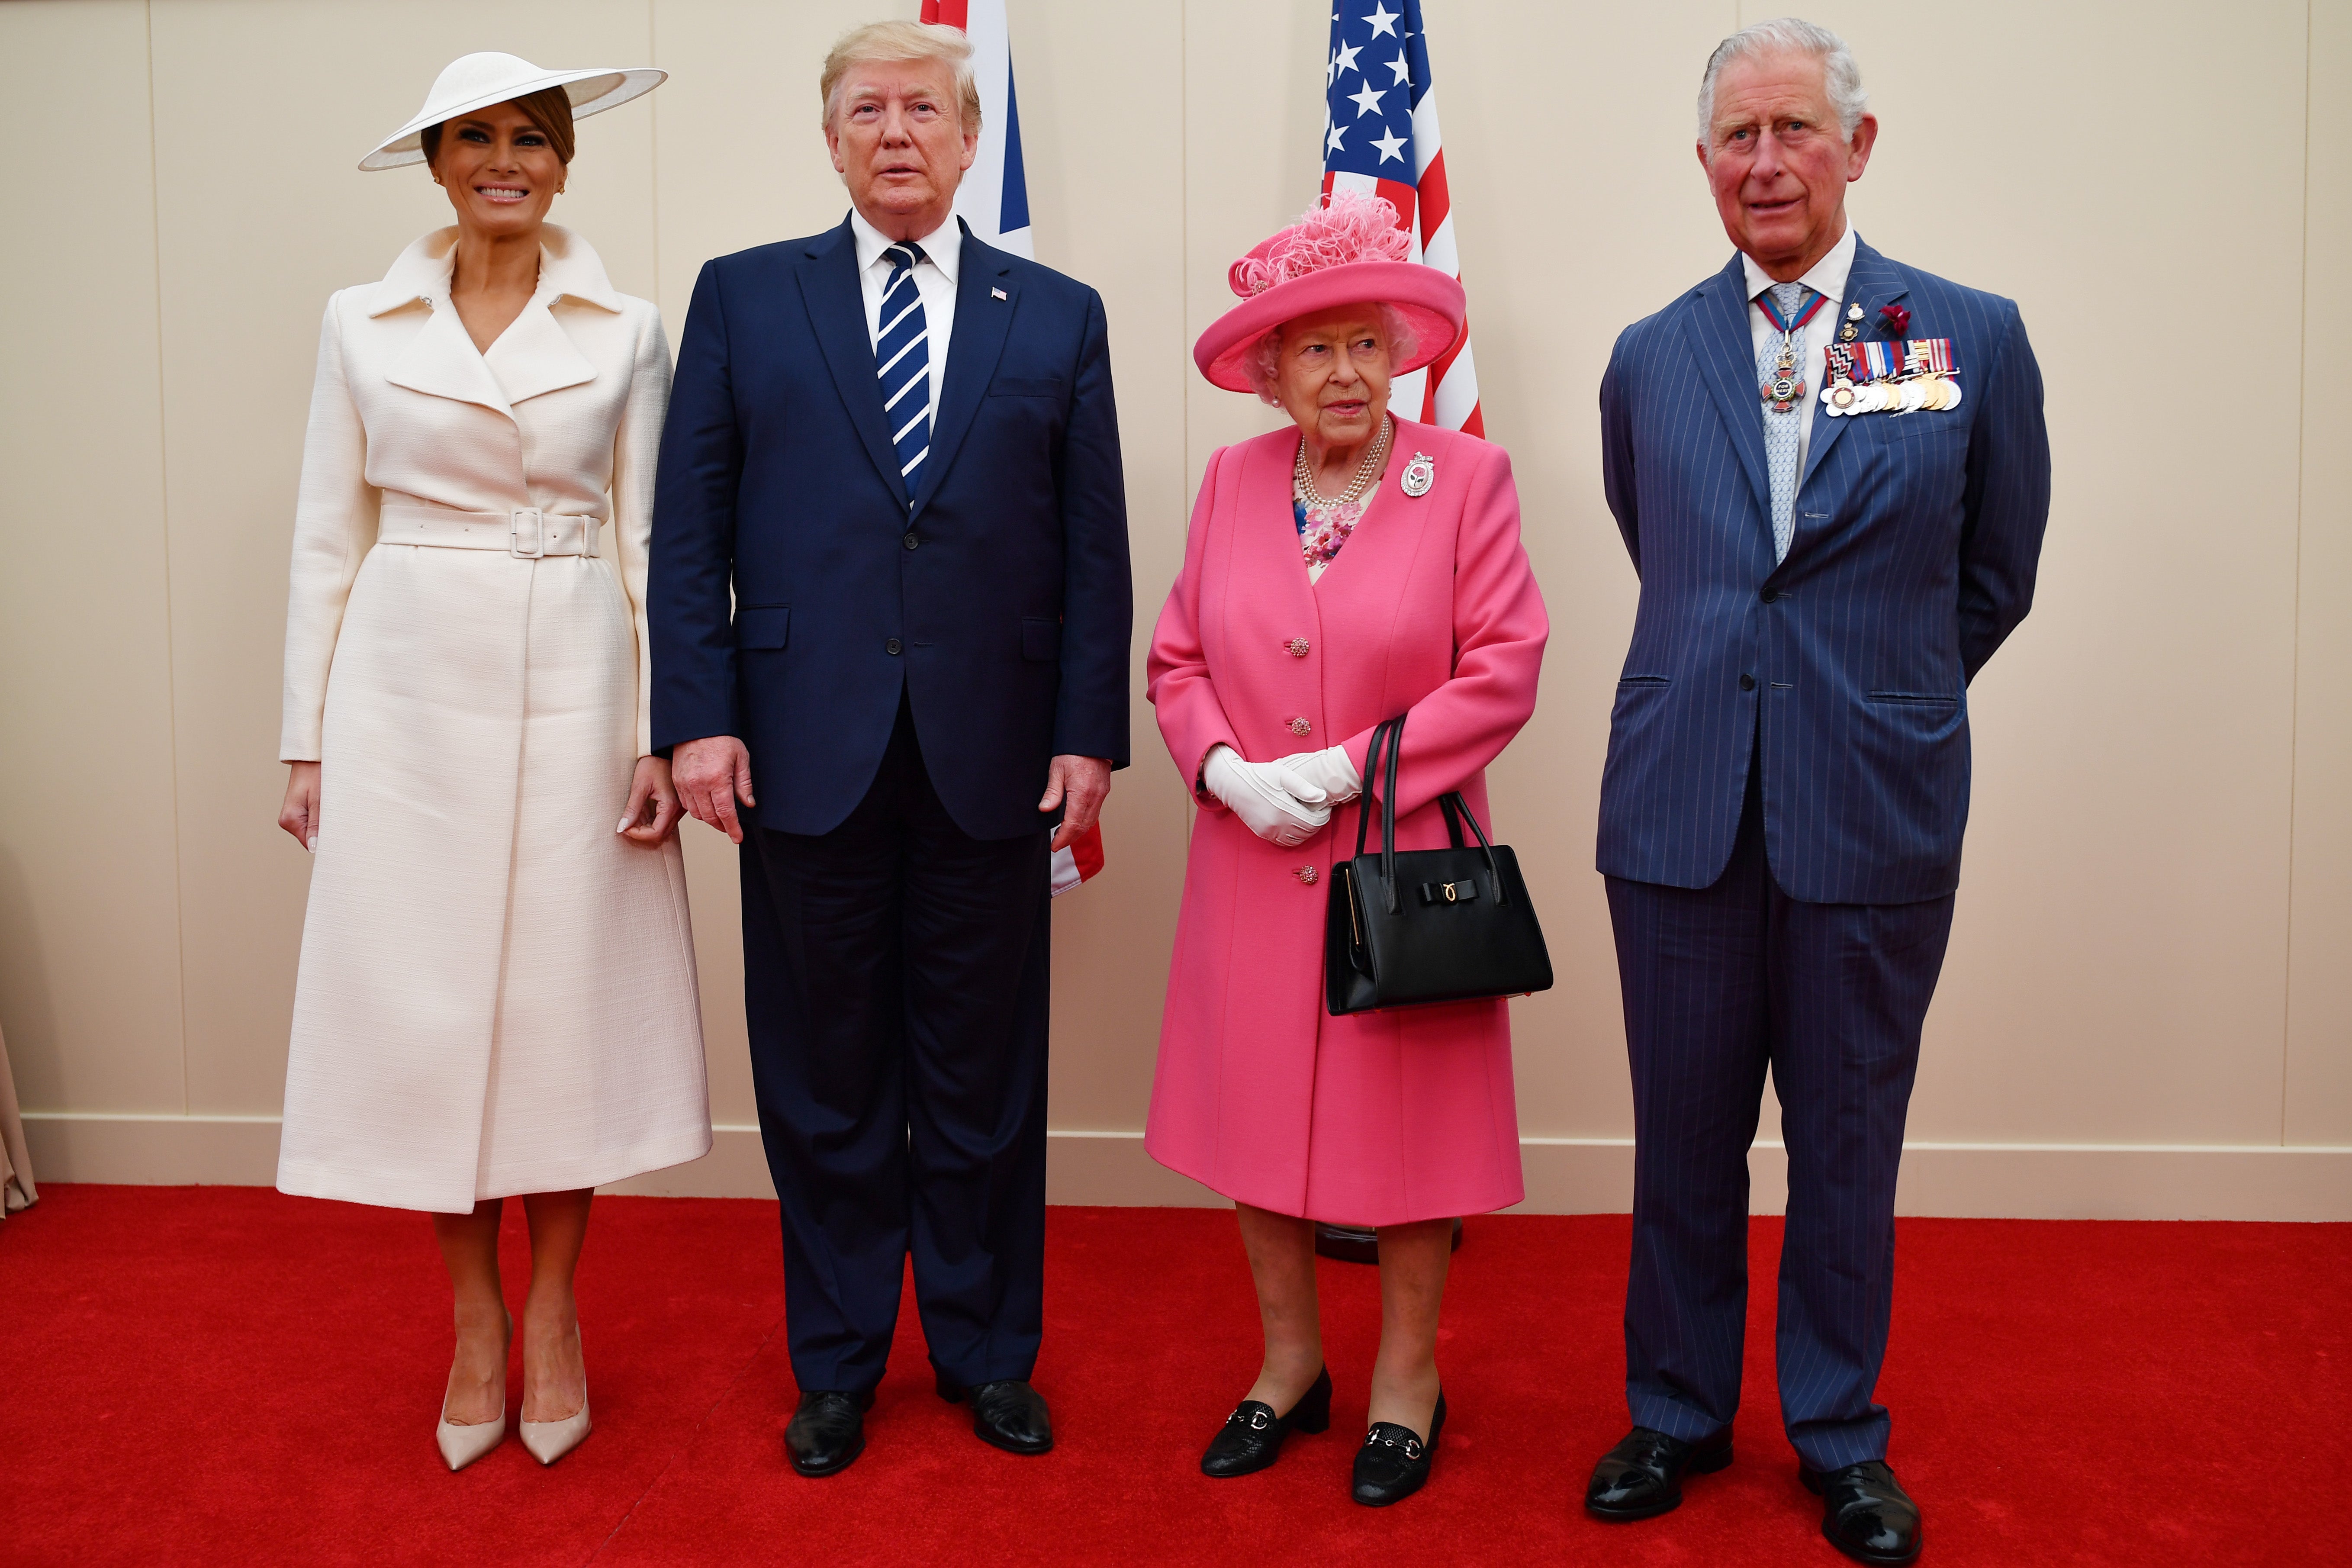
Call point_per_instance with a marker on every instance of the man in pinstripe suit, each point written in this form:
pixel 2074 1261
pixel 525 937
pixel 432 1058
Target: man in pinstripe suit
pixel 1788 771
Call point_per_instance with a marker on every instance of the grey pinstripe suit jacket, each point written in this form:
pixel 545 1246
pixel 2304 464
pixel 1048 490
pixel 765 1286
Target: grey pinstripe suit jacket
pixel 1845 667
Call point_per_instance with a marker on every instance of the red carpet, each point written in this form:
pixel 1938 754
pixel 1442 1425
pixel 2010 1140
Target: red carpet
pixel 226 1375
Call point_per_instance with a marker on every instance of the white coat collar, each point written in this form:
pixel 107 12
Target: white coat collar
pixel 568 266
pixel 532 356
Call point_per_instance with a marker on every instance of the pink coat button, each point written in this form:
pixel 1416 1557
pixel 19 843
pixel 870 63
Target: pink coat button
pixel 1298 647
pixel 1300 726
pixel 1307 874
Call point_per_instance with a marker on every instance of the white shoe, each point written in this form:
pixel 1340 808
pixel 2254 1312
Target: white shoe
pixel 461 1445
pixel 550 1440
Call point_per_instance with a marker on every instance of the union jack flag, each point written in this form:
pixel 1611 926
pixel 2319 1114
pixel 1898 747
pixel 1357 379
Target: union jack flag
pixel 1379 137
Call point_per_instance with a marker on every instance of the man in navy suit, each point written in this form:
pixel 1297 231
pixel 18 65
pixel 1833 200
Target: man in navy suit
pixel 1788 771
pixel 889 581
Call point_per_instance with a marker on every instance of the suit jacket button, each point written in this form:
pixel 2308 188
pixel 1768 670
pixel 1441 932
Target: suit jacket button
pixel 910 541
pixel 1298 647
pixel 1300 726
pixel 1307 874
pixel 1747 683
pixel 894 647
pixel 1768 594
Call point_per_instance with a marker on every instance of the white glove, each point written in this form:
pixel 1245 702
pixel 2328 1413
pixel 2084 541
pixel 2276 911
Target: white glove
pixel 1272 801
pixel 1328 770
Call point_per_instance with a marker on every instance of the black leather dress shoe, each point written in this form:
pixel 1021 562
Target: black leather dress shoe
pixel 1865 1512
pixel 1393 1463
pixel 1642 1476
pixel 1009 1413
pixel 1252 1433
pixel 827 1431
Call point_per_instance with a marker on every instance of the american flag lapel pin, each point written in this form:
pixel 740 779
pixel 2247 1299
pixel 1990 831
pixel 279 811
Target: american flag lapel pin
pixel 995 293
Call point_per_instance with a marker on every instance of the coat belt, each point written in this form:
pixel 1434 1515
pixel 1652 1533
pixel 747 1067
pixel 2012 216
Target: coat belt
pixel 528 533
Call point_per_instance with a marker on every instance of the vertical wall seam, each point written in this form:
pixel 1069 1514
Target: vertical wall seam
pixel 2294 617
pixel 171 636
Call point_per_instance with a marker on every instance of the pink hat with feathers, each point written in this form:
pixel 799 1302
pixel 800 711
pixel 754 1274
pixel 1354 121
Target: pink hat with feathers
pixel 1347 250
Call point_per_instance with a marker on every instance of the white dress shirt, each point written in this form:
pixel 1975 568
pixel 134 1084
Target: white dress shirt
pixel 935 281
pixel 1827 278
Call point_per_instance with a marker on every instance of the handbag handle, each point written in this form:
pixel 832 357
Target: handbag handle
pixel 1388 735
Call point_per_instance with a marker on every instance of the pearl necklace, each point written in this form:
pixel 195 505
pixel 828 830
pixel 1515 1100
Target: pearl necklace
pixel 1375 459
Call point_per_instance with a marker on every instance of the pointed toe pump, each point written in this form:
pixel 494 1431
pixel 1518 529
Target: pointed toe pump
pixel 550 1440
pixel 1252 1436
pixel 461 1445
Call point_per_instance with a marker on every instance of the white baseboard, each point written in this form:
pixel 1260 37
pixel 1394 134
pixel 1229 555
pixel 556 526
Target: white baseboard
pixel 1564 1175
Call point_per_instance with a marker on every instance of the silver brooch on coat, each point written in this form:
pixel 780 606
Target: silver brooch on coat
pixel 1419 474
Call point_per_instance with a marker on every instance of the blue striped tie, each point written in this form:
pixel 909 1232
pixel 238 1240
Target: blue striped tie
pixel 903 353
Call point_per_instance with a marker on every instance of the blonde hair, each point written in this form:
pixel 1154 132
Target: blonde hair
pixel 877 42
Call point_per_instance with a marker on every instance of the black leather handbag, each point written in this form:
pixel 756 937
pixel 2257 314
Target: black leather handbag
pixel 1417 926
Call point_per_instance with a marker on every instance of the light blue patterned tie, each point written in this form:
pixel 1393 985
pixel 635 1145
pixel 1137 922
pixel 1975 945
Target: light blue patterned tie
pixel 1781 428
pixel 902 354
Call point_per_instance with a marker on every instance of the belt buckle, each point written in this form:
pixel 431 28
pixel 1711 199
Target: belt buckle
pixel 516 522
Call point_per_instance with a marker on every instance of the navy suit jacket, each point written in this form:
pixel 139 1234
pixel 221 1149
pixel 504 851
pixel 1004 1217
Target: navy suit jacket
pixel 794 592
pixel 1843 671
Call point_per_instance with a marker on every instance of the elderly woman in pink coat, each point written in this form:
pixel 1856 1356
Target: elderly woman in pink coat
pixel 1339 571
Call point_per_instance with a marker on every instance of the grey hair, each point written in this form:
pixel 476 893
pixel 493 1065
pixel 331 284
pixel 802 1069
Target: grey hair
pixel 1263 365
pixel 1789 35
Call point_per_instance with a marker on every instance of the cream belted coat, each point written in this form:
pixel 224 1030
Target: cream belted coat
pixel 497 992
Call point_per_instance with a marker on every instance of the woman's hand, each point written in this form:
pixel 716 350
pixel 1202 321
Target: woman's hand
pixel 1331 770
pixel 299 814
pixel 650 792
pixel 1272 800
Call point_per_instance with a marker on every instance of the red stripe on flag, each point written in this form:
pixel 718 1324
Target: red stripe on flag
pixel 948 13
pixel 1399 195
pixel 1435 202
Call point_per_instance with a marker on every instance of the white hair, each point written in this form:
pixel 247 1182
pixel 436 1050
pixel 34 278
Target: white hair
pixel 1263 365
pixel 1789 35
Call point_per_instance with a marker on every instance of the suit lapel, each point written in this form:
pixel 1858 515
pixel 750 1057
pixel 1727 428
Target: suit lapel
pixel 986 299
pixel 441 361
pixel 1717 326
pixel 1873 284
pixel 828 279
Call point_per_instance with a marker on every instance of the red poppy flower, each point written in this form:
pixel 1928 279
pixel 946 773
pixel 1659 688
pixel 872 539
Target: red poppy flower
pixel 1894 319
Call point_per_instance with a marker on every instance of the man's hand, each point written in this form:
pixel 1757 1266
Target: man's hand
pixel 1084 781
pixel 711 774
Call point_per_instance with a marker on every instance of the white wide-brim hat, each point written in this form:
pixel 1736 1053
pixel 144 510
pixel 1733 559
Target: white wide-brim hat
pixel 476 81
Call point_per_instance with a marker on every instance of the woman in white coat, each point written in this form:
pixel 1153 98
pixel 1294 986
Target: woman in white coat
pixel 497 992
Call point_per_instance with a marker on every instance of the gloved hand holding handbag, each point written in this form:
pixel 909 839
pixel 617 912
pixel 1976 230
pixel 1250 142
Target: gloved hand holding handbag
pixel 1328 770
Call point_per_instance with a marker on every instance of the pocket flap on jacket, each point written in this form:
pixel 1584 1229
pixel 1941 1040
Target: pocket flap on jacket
pixel 1041 638
pixel 1025 386
pixel 762 625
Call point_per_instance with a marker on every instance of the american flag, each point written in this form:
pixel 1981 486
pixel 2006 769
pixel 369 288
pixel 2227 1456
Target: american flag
pixel 1379 137
pixel 994 200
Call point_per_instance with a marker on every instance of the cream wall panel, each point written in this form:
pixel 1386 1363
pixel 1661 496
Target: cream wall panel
pixel 2319 994
pixel 247 268
pixel 2117 966
pixel 89 959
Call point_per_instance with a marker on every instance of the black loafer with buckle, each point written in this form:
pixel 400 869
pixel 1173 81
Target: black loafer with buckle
pixel 1252 1436
pixel 1393 1463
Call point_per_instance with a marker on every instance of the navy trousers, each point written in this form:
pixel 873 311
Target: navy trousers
pixel 895 979
pixel 1722 984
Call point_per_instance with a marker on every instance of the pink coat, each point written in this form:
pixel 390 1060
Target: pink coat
pixel 1260 1094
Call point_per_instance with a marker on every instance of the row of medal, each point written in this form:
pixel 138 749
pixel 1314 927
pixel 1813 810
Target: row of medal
pixel 1891 377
